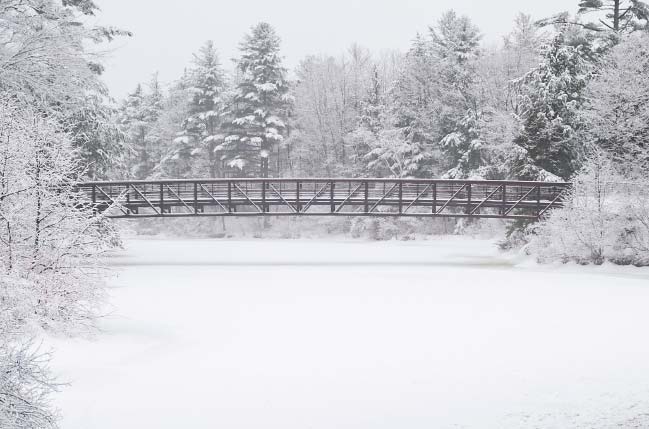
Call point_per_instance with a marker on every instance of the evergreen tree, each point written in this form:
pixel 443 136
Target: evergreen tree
pixel 455 47
pixel 416 100
pixel 202 129
pixel 175 156
pixel 257 113
pixel 612 15
pixel 553 95
pixel 154 107
pixel 132 121
pixel 138 115
pixel 373 107
pixel 96 135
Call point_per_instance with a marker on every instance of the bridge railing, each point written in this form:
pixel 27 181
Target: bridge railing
pixel 331 197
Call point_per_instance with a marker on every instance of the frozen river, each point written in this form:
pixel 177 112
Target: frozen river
pixel 351 334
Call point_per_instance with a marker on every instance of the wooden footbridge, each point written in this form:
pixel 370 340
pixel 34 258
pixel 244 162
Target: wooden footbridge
pixel 324 197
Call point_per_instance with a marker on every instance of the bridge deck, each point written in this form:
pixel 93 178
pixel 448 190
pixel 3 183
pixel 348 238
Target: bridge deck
pixel 320 197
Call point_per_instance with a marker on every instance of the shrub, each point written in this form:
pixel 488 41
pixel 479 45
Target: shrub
pixel 605 218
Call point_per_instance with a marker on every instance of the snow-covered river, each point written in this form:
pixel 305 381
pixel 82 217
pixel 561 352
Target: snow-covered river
pixel 351 334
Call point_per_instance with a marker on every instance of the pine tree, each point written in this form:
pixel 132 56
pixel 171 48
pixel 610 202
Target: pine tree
pixel 96 135
pixel 175 157
pixel 455 47
pixel 134 127
pixel 257 113
pixel 154 107
pixel 415 96
pixel 553 95
pixel 612 15
pixel 202 129
pixel 373 107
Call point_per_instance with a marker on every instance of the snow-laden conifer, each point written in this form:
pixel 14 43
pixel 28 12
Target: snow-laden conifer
pixel 257 115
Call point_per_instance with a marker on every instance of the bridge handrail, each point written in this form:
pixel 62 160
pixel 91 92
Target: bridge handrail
pixel 323 180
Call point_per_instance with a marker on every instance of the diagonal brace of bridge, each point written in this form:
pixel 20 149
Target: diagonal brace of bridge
pixel 324 197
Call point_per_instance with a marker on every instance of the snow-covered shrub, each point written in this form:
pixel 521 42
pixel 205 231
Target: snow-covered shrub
pixel 381 229
pixel 358 227
pixel 637 236
pixel 604 219
pixel 25 386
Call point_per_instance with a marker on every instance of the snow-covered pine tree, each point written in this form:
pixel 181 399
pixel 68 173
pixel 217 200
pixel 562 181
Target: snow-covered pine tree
pixel 434 99
pixel 415 98
pixel 373 106
pixel 552 99
pixel 202 128
pixel 618 16
pixel 96 136
pixel 455 47
pixel 132 120
pixel 381 148
pixel 257 121
pixel 391 154
pixel 173 162
pixel 154 107
pixel 138 115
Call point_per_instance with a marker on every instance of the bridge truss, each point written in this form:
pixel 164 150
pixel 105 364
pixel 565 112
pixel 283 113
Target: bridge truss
pixel 324 197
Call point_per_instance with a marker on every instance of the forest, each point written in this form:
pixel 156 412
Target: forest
pixel 561 98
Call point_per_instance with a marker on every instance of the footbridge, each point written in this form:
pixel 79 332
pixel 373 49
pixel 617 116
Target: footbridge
pixel 324 197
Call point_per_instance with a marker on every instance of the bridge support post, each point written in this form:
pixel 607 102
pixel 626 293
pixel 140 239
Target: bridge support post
pixel 162 199
pixel 229 196
pixel 298 206
pixel 263 197
pixel 332 202
pixel 195 198
pixel 435 198
pixel 367 196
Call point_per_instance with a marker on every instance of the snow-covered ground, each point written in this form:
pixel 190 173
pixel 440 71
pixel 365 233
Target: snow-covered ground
pixel 336 334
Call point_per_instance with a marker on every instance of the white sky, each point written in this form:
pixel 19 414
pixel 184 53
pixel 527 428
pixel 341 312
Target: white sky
pixel 168 31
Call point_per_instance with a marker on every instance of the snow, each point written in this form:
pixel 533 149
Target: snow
pixel 446 333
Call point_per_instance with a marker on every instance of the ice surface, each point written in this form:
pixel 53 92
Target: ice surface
pixel 332 334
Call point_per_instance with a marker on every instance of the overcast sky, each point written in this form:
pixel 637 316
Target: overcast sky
pixel 167 32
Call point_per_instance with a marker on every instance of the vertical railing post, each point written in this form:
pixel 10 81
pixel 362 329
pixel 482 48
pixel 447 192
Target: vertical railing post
pixel 195 198
pixel 94 196
pixel 503 208
pixel 434 198
pixel 332 203
pixel 468 198
pixel 538 201
pixel 229 195
pixel 367 196
pixel 400 196
pixel 263 196
pixel 298 206
pixel 128 198
pixel 162 199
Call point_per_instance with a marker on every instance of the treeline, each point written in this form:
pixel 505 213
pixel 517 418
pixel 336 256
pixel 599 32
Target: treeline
pixel 529 109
